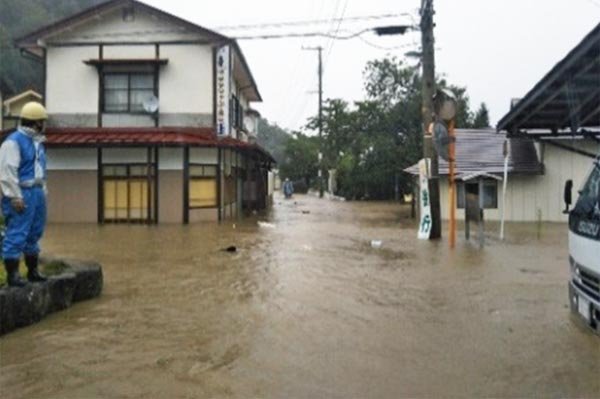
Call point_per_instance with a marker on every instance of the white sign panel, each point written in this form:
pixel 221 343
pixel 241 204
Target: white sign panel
pixel 223 90
pixel 424 199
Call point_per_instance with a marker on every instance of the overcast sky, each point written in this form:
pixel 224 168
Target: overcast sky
pixel 498 49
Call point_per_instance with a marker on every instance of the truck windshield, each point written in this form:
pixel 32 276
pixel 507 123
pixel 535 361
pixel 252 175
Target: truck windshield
pixel 588 203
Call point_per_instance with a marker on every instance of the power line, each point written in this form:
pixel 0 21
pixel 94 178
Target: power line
pixel 247 37
pixel 311 22
pixel 337 29
pixel 303 34
pixel 378 47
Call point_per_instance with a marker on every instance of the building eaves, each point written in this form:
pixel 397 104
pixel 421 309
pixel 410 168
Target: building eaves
pixel 567 96
pixel 57 137
pixel 31 40
pixel 22 95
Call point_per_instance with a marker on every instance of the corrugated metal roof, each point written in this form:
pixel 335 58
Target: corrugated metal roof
pixel 566 97
pixel 63 137
pixel 480 150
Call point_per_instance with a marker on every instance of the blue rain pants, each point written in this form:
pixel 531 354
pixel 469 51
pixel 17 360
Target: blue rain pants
pixel 24 230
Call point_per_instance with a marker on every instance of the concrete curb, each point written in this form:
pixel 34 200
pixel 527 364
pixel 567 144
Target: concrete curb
pixel 20 307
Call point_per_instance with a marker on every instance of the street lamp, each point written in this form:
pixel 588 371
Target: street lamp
pixel 393 30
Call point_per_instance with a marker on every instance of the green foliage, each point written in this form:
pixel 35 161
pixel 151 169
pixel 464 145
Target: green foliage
pixel 481 118
pixel 370 142
pixel 273 139
pixel 301 158
pixel 19 17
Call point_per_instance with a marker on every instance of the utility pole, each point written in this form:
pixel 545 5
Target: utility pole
pixel 319 49
pixel 428 90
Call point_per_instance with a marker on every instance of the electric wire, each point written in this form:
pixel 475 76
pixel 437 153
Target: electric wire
pixel 310 22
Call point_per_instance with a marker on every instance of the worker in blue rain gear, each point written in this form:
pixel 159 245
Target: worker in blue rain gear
pixel 23 184
pixel 288 188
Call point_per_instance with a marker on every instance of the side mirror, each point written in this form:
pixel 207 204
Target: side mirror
pixel 568 195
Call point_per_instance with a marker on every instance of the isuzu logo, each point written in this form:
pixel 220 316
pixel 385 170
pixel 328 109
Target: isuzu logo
pixel 588 228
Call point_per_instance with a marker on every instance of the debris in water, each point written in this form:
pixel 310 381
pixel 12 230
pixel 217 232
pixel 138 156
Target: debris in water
pixel 305 212
pixel 266 225
pixel 376 243
pixel 231 248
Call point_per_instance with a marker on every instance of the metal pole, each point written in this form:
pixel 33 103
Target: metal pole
pixel 504 183
pixel 481 206
pixel 427 112
pixel 452 185
pixel 320 121
pixel 321 175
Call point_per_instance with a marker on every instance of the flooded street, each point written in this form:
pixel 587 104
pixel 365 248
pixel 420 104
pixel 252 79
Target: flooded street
pixel 307 309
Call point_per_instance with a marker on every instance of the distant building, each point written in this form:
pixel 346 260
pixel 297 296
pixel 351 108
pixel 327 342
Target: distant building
pixel 479 152
pixel 12 106
pixel 149 119
pixel 5 91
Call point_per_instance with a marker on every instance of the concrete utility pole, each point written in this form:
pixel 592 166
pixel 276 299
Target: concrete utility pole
pixel 428 61
pixel 320 50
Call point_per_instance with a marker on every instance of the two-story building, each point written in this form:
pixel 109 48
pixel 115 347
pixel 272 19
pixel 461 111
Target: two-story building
pixel 149 118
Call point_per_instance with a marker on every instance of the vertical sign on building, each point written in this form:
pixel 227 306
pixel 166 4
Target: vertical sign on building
pixel 223 90
pixel 424 200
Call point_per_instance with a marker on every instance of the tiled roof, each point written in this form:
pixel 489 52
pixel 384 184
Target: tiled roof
pixel 66 137
pixel 480 150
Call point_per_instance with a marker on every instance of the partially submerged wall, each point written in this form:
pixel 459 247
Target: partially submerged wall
pixel 20 307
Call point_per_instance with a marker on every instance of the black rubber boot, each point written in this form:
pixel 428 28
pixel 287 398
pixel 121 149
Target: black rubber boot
pixel 12 273
pixel 33 273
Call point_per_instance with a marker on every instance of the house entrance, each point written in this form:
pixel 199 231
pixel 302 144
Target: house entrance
pixel 128 193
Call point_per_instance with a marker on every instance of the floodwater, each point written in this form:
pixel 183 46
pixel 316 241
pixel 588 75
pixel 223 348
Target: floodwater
pixel 307 309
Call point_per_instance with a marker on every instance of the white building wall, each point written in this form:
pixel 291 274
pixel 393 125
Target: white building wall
pixel 145 27
pixel 186 82
pixel 128 52
pixel 529 197
pixel 71 86
pixel 72 159
pixel 170 159
pixel 207 156
pixel 124 155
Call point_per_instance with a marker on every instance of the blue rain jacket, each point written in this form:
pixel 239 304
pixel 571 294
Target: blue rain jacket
pixel 24 230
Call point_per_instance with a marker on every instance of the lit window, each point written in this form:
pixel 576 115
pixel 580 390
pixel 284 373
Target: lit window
pixel 203 186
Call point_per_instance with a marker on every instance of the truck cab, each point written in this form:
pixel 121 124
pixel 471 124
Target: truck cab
pixel 584 250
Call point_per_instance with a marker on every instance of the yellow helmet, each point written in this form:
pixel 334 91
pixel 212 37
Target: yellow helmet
pixel 34 111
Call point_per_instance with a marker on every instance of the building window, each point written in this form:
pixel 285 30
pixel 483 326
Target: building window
pixel 237 112
pixel 490 193
pixel 203 186
pixel 127 92
pixel 128 192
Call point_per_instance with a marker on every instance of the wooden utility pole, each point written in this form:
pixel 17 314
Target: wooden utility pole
pixel 428 61
pixel 320 160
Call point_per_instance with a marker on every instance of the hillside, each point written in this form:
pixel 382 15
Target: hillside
pixel 17 18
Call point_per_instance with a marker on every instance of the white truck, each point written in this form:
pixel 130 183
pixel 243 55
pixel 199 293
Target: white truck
pixel 584 250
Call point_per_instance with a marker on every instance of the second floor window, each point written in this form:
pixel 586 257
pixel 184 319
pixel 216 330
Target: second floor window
pixel 127 92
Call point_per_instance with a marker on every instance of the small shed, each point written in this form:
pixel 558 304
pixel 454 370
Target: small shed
pixel 12 106
pixel 479 158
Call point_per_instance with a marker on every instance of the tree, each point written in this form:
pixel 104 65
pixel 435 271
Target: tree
pixel 481 118
pixel 17 18
pixel 301 157
pixel 371 142
pixel 273 138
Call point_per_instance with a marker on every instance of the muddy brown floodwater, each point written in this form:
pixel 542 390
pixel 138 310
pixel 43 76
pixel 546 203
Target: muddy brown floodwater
pixel 307 309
